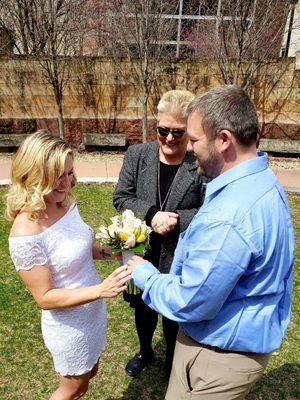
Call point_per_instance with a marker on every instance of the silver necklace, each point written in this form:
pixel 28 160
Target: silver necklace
pixel 162 204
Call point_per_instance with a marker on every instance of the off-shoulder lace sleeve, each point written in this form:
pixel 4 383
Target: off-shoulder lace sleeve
pixel 27 252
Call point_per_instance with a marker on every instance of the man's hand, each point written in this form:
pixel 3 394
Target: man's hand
pixel 133 262
pixel 164 221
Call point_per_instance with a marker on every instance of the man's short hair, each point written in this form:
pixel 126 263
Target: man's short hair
pixel 227 107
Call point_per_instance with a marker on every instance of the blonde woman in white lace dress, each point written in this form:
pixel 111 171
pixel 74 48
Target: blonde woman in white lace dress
pixel 53 251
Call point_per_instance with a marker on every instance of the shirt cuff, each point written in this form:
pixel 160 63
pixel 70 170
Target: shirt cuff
pixel 142 273
pixel 150 214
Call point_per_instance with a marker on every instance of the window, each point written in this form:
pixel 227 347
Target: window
pixel 209 7
pixel 190 7
pixel 171 7
pixel 188 28
pixel 169 50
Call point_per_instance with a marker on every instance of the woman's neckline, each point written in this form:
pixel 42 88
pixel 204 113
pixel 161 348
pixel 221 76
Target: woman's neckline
pixel 165 159
pixel 49 227
pixel 170 165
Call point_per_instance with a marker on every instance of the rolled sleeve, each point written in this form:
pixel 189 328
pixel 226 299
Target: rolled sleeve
pixel 143 273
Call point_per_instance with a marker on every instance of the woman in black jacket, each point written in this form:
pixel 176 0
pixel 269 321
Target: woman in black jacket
pixel 159 182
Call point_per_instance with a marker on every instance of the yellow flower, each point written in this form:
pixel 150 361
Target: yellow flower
pixel 137 232
pixel 123 236
pixel 141 238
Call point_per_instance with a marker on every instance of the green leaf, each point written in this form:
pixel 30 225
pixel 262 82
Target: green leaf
pixel 139 248
pixel 115 250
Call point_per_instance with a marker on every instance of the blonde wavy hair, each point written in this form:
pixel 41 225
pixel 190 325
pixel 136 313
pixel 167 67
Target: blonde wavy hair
pixel 175 102
pixel 37 164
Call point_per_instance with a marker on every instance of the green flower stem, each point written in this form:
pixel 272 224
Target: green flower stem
pixel 132 288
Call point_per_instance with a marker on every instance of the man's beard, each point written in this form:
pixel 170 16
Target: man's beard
pixel 211 165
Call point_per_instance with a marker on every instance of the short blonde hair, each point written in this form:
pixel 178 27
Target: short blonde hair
pixel 175 102
pixel 37 164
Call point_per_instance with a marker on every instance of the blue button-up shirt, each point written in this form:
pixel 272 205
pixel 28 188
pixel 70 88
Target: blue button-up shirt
pixel 231 278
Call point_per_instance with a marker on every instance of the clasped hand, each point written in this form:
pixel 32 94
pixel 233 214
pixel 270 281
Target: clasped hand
pixel 164 221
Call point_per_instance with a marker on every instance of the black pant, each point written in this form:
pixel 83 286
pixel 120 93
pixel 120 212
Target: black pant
pixel 146 322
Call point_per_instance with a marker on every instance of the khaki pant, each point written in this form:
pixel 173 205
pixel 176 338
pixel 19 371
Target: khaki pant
pixel 202 373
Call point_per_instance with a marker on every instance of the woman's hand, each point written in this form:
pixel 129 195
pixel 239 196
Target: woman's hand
pixel 115 283
pixel 164 221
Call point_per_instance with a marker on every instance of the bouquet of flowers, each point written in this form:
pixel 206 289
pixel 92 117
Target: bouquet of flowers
pixel 127 234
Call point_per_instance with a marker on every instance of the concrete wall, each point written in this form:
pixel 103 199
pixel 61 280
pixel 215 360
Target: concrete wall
pixel 295 39
pixel 100 97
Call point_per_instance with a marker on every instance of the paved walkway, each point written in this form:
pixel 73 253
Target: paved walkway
pixel 107 171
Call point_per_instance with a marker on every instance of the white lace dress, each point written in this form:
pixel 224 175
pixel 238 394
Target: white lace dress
pixel 75 336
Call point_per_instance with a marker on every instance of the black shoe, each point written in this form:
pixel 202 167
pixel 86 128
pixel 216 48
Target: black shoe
pixel 138 363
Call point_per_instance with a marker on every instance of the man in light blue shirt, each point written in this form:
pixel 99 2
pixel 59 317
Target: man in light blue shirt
pixel 230 282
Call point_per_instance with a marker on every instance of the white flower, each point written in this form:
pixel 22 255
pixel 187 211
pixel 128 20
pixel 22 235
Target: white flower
pixel 128 225
pixel 130 242
pixel 145 229
pixel 116 220
pixel 102 234
pixel 128 221
pixel 113 230
pixel 137 223
pixel 127 214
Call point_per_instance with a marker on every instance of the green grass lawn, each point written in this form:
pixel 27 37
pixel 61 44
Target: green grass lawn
pixel 26 370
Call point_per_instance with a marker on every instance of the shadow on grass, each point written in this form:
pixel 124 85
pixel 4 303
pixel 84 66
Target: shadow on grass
pixel 278 384
pixel 151 384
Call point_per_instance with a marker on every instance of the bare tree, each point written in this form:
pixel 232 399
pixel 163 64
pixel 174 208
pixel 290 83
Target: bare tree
pixel 49 31
pixel 138 31
pixel 97 82
pixel 241 36
pixel 244 38
pixel 6 41
pixel 20 18
pixel 272 95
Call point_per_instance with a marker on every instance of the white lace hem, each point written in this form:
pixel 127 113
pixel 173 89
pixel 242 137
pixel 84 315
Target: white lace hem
pixel 68 372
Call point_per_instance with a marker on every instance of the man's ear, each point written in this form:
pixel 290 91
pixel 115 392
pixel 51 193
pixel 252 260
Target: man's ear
pixel 224 140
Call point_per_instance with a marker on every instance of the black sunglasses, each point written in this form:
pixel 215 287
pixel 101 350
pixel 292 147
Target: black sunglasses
pixel 176 133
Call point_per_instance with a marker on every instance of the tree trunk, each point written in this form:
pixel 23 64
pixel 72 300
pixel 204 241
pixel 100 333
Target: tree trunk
pixel 145 118
pixel 60 119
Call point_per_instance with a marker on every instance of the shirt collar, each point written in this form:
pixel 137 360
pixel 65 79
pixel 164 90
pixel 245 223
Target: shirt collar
pixel 241 170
